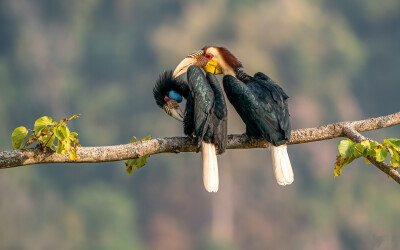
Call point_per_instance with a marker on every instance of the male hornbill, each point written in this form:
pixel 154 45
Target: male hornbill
pixel 205 115
pixel 260 102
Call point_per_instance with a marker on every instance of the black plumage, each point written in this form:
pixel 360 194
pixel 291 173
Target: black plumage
pixel 210 113
pixel 205 111
pixel 205 115
pixel 259 101
pixel 164 84
pixel 262 105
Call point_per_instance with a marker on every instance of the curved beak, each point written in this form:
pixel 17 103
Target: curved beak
pixel 177 114
pixel 196 58
pixel 172 109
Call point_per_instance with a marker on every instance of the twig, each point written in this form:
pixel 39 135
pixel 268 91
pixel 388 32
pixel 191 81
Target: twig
pixel 384 167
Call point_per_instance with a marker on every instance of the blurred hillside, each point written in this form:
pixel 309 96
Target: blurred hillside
pixel 337 60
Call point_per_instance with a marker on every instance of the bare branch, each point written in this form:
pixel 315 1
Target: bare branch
pixel 336 129
pixel 16 158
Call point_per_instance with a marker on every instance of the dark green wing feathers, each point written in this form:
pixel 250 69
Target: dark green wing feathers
pixel 262 105
pixel 219 99
pixel 203 97
pixel 210 113
pixel 188 119
pixel 219 118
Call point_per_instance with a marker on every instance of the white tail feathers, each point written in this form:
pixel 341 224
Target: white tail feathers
pixel 210 167
pixel 281 164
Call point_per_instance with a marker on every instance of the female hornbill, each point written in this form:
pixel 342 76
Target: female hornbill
pixel 205 115
pixel 260 102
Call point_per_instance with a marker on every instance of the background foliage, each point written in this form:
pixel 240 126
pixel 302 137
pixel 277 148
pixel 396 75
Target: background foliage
pixel 337 60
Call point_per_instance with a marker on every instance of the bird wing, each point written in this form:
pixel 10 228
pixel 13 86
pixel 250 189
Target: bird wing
pixel 188 120
pixel 244 102
pixel 203 99
pixel 279 100
pixel 220 104
pixel 220 114
pixel 261 107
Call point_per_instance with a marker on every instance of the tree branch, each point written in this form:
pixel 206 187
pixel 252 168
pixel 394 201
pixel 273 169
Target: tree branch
pixel 16 158
pixel 353 135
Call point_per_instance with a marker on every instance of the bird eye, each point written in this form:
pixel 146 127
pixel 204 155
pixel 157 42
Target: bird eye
pixel 209 56
pixel 166 99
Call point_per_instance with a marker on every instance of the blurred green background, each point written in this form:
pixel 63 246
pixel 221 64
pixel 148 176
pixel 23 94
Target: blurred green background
pixel 337 60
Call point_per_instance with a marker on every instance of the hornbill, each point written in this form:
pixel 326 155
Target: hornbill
pixel 260 102
pixel 205 115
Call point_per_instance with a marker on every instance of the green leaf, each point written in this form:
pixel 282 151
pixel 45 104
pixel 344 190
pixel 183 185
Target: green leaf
pixel 373 144
pixel 393 153
pixel 358 150
pixel 393 142
pixel 366 144
pixel 349 160
pixel 369 148
pixel 62 132
pixel 42 122
pixel 50 143
pixel 381 154
pixel 67 145
pixel 394 163
pixel 370 152
pixel 72 155
pixel 65 131
pixel 395 158
pixel 345 149
pixel 338 167
pixel 133 164
pixel 58 133
pixel 72 135
pixel 60 147
pixel 348 151
pixel 18 136
pixel 340 163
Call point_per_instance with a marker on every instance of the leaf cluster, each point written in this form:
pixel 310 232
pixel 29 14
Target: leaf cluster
pixel 45 132
pixel 132 164
pixel 349 151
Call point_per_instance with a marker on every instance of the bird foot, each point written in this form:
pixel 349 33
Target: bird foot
pixel 192 139
pixel 251 139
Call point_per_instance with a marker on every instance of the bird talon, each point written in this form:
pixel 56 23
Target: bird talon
pixel 251 139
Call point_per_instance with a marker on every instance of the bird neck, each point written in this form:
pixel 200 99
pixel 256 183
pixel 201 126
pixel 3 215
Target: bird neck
pixel 229 71
pixel 241 75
